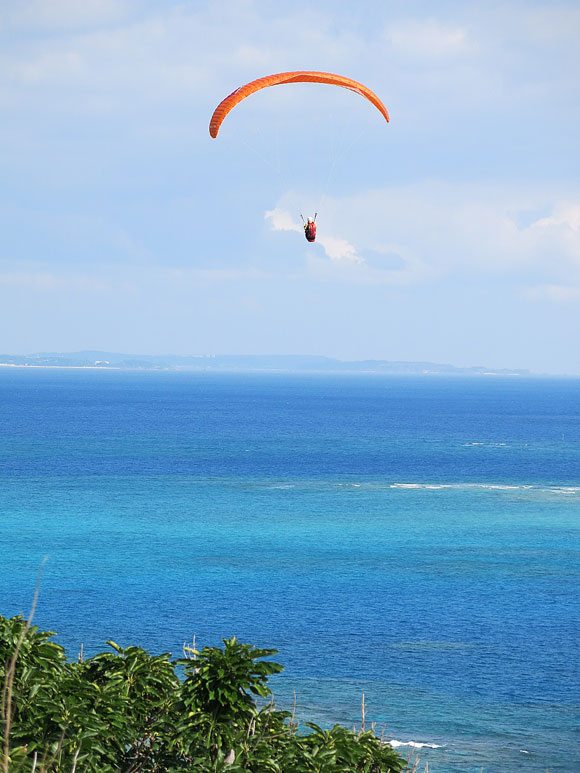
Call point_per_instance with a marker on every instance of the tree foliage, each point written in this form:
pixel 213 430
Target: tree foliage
pixel 128 710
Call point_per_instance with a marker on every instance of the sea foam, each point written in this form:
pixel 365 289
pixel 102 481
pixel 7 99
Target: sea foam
pixel 415 744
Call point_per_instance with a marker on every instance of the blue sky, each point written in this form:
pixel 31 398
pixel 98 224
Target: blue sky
pixel 451 234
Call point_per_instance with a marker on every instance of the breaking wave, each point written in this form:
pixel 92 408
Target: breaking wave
pixel 415 744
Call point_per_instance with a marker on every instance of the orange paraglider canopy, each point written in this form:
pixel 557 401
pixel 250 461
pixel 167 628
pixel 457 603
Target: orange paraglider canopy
pixel 301 76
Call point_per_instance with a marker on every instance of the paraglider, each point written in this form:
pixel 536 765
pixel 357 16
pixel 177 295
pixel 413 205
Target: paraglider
pixel 298 76
pixel 310 228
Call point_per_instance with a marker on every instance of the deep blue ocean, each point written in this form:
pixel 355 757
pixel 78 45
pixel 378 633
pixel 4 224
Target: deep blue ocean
pixel 413 539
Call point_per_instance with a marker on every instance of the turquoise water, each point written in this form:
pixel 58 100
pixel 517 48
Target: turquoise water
pixel 415 540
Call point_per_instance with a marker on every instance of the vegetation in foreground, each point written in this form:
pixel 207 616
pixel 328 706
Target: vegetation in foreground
pixel 127 710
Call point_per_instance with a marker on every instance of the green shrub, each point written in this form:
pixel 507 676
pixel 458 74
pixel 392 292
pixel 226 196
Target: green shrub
pixel 128 710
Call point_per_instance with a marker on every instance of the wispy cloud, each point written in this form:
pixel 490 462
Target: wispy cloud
pixel 203 277
pixel 108 49
pixel 427 39
pixel 63 14
pixel 47 282
pixel 554 293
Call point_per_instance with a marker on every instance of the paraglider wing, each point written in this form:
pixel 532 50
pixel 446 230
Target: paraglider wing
pixel 301 76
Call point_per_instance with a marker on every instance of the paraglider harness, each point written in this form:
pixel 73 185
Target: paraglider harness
pixel 310 228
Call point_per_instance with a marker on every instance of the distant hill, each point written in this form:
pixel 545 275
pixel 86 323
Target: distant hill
pixel 243 363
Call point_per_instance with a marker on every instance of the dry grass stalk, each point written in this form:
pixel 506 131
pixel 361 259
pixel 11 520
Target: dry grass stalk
pixel 189 652
pixel 8 687
pixel 75 758
pixel 413 762
pixel 293 722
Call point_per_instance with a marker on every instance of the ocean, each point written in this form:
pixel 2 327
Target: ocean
pixel 412 539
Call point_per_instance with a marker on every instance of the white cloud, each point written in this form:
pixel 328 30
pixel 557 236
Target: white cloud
pixel 335 248
pixel 567 215
pixel 339 249
pixel 559 235
pixel 282 220
pixel 435 229
pixel 343 262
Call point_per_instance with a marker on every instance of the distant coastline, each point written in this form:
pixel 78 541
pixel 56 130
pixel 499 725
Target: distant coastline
pixel 96 360
pixel 60 367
